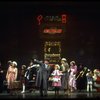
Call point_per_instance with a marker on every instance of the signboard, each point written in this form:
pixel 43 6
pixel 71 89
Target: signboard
pixel 52 26
pixel 52 50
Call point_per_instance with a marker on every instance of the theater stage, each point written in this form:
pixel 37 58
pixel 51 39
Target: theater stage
pixel 51 95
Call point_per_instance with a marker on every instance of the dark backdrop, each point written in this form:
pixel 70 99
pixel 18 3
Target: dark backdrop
pixel 19 34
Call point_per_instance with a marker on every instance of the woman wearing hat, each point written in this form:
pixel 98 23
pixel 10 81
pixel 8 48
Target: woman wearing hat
pixel 72 76
pixel 11 75
pixel 56 78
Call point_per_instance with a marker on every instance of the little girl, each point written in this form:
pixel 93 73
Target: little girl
pixel 89 76
pixel 56 78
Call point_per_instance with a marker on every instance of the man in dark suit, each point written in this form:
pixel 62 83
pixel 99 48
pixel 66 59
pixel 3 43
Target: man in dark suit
pixel 42 76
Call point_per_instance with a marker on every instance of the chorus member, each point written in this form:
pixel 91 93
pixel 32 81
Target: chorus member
pixel 56 78
pixel 72 76
pixel 65 76
pixel 11 75
pixel 22 78
pixel 43 76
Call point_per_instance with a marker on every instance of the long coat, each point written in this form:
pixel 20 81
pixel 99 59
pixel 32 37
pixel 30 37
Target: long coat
pixel 65 76
pixel 42 75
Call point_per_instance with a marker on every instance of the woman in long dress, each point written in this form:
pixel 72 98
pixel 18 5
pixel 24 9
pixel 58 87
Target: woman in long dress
pixel 11 76
pixel 72 76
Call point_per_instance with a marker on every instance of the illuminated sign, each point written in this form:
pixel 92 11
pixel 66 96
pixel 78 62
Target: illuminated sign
pixel 52 18
pixel 52 50
pixel 52 31
pixel 52 26
pixel 62 19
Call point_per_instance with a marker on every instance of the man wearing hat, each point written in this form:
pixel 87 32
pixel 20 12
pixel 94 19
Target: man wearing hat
pixel 65 76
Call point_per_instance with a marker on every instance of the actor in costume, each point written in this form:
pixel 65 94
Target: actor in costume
pixel 96 79
pixel 72 76
pixel 65 76
pixel 11 76
pixel 43 74
pixel 56 79
pixel 89 76
pixel 22 78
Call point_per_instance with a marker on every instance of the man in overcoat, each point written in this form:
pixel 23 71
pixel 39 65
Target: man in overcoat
pixel 42 76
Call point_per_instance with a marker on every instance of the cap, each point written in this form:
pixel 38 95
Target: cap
pixel 64 59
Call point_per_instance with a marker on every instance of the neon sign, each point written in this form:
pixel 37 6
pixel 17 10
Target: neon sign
pixel 52 18
pixel 62 18
pixel 52 31
pixel 39 18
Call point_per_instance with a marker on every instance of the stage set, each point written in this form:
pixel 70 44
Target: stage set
pixel 35 94
pixel 36 30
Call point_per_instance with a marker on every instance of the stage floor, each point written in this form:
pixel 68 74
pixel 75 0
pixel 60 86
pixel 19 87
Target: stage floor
pixel 51 95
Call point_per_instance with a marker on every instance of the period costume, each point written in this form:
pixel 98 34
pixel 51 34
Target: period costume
pixel 72 78
pixel 64 78
pixel 42 77
pixel 56 78
pixel 22 78
pixel 81 78
pixel 89 81
pixel 96 79
pixel 11 77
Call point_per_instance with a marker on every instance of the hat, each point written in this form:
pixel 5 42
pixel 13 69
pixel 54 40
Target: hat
pixel 24 66
pixel 57 66
pixel 88 70
pixel 73 62
pixel 15 63
pixel 64 59
pixel 96 71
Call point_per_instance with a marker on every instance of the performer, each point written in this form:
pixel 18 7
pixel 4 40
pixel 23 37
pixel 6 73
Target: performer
pixel 30 74
pixel 89 76
pixel 56 78
pixel 11 76
pixel 43 76
pixel 65 76
pixel 81 77
pixel 22 78
pixel 72 76
pixel 96 79
pixel 1 78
